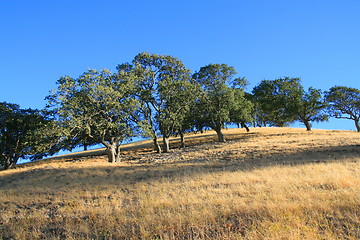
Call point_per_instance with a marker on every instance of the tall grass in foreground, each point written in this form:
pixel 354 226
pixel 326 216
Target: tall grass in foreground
pixel 267 185
pixel 315 201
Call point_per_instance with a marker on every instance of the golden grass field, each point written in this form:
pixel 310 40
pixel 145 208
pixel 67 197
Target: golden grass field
pixel 271 183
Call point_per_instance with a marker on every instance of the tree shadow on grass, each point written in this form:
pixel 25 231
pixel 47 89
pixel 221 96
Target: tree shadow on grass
pixel 140 147
pixel 118 175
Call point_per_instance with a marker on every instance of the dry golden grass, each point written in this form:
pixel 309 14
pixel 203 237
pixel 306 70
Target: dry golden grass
pixel 271 183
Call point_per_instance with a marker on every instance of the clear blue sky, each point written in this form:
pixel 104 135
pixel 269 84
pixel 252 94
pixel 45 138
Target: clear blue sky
pixel 316 40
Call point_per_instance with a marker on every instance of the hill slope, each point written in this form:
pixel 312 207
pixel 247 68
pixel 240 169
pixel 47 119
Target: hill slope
pixel 272 182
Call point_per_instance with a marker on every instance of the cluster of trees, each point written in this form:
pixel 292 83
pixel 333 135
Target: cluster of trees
pixel 156 95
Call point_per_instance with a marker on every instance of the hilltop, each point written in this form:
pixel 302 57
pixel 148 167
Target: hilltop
pixel 279 183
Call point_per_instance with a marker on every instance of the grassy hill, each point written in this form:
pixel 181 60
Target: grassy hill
pixel 271 183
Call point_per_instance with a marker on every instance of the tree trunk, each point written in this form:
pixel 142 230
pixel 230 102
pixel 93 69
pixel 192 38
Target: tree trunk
pixel 182 139
pixel 254 124
pixel 9 163
pixel 157 145
pixel 243 125
pixel 307 125
pixel 357 125
pixel 113 153
pixel 166 144
pixel 219 133
pixel 118 156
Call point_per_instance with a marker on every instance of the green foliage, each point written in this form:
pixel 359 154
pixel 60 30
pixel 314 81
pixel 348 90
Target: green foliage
pixel 24 133
pixel 282 101
pixel 257 114
pixel 96 105
pixel 278 100
pixel 165 92
pixel 311 107
pixel 344 102
pixel 217 99
pixel 157 95
pixel 242 108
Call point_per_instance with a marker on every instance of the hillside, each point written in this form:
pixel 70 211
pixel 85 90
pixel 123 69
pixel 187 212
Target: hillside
pixel 273 183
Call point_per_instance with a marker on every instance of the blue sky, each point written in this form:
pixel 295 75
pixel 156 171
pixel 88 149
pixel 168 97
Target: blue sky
pixel 316 40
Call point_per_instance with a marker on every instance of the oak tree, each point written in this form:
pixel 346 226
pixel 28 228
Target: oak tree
pixel 217 98
pixel 24 133
pixel 96 105
pixel 242 108
pixel 164 90
pixel 344 102
pixel 311 108
pixel 277 100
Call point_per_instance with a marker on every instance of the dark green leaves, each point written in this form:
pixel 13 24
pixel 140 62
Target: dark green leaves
pixel 24 133
pixel 344 102
pixel 164 90
pixel 278 100
pixel 217 99
pixel 96 106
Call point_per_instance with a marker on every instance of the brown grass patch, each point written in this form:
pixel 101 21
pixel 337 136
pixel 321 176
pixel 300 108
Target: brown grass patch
pixel 272 183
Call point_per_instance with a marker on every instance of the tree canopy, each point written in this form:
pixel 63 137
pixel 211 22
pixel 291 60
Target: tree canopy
pixel 344 102
pixel 23 134
pixel 96 105
pixel 241 112
pixel 281 101
pixel 217 99
pixel 156 96
pixel 311 108
pixel 277 100
pixel 164 90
